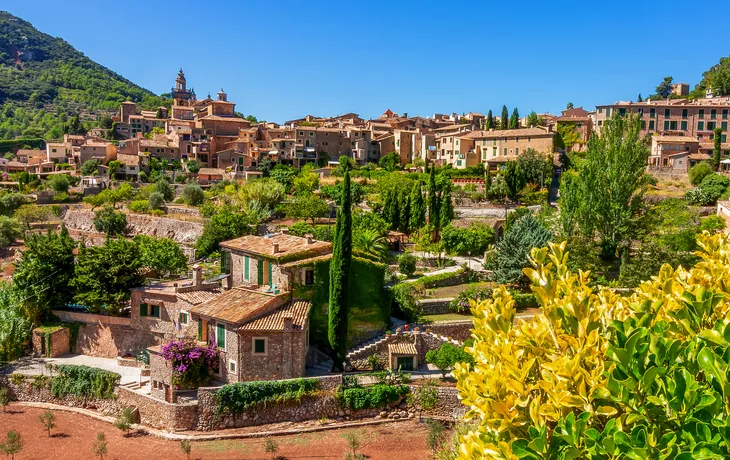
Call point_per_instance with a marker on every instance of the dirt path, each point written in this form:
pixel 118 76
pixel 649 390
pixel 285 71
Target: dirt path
pixel 74 434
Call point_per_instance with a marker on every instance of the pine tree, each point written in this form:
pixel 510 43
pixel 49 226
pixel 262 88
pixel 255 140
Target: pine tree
pixel 404 208
pixel 340 279
pixel 504 124
pixel 489 123
pixel 418 208
pixel 514 121
pixel 433 202
pixel 446 208
pixel 640 99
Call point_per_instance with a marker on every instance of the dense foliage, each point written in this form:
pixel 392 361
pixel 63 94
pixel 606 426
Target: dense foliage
pixel 600 376
pixel 469 241
pixel 371 397
pixel 161 255
pixel 84 382
pixel 235 398
pixel 14 327
pixel 447 355
pixel 514 249
pixel 191 363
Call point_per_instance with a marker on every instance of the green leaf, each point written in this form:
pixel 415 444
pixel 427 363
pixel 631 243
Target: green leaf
pixel 714 337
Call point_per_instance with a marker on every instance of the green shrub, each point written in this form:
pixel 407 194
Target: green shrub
pixel 141 206
pixel 193 195
pixel 467 241
pixel 372 397
pixel 714 186
pixel 524 299
pixel 84 381
pixel 156 200
pixel 17 379
pixel 699 172
pixel 41 381
pixel 712 224
pixel 237 397
pixel 446 356
pixel 300 229
pixel 407 264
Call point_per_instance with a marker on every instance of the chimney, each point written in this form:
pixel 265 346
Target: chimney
pixel 275 247
pixel 310 238
pixel 197 275
pixel 285 231
pixel 288 321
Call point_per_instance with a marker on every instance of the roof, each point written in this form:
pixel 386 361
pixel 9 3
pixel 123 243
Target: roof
pixel 466 223
pixel 297 310
pixel 128 160
pixel 31 152
pixel 198 297
pixel 523 132
pixel 96 144
pixel 289 246
pixel 699 156
pixel 402 349
pixel 222 118
pixel 661 138
pixel 502 159
pixel 237 305
pixel 211 171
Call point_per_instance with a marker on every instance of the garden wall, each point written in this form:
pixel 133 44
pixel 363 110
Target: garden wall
pixel 157 413
pixel 24 391
pixel 435 306
pixel 459 330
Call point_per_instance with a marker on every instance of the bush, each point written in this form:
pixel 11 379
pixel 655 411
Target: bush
pixel 193 195
pixel 714 186
pixel 90 168
pixel 462 302
pixel 237 397
pixel 141 206
pixel 84 382
pixel 164 188
pixel 712 224
pixel 191 363
pixel 372 397
pixel 407 264
pixel 697 196
pixel 467 241
pixel 124 420
pixel 446 356
pixel 699 172
pixel 110 221
pixel 156 200
pixel 300 229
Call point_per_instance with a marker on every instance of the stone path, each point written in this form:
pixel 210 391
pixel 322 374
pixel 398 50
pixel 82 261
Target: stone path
pixel 37 366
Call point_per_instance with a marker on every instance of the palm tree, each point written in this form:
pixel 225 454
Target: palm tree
pixel 371 242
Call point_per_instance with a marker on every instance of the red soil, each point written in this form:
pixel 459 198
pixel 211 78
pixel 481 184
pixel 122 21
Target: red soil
pixel 74 434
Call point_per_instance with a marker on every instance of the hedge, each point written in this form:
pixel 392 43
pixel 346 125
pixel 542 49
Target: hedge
pixel 372 397
pixel 237 397
pixel 84 381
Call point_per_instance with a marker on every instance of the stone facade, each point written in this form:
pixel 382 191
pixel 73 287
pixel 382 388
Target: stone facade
pixel 458 330
pixel 59 342
pixel 285 357
pixel 423 342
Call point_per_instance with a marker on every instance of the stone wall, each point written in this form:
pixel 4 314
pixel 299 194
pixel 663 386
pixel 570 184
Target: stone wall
pixel 180 231
pixel 159 414
pixel 59 340
pixel 422 340
pixel 459 330
pixel 435 306
pixel 449 405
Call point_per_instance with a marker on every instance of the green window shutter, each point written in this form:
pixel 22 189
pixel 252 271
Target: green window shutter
pixel 246 268
pixel 271 283
pixel 143 309
pixel 684 126
pixel 200 329
pixel 221 335
pixel 260 272
pixel 155 311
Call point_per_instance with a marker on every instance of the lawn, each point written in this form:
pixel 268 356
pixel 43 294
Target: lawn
pixel 453 291
pixel 446 317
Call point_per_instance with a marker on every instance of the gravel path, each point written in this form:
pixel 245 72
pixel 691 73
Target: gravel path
pixel 36 366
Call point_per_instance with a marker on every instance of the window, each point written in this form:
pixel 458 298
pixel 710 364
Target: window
pixel 713 114
pixel 666 125
pixel 622 112
pixel 700 126
pixel 260 345
pixel 184 317
pixel 667 113
pixel 405 363
pixel 232 366
pixel 311 133
pixel 724 114
pixel 517 151
pixel 505 151
pixel 673 125
pixel 308 277
pixel 711 125
pixel 652 113
pixel 608 111
pixel 702 113
pixel 246 268
pixel 220 335
pixel 301 133
pixel 684 126
pixel 149 310
pixel 684 113
pixel 202 330
pixel 724 125
pixel 226 262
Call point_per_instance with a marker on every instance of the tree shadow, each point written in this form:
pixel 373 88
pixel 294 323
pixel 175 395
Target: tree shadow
pixel 14 411
pixel 136 434
pixel 60 435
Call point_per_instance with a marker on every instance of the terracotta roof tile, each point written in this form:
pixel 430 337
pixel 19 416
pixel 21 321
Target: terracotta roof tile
pixel 31 152
pixel 238 305
pixel 297 310
pixel 289 245
pixel 198 297
pixel 522 132
pixel 675 139
pixel 402 349
pixel 128 160
pixel 211 171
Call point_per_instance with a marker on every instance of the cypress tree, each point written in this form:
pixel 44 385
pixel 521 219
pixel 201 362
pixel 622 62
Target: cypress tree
pixel 340 279
pixel 489 122
pixel 505 118
pixel 514 121
pixel 418 208
pixel 446 208
pixel 433 202
pixel 718 148
pixel 404 208
pixel 488 178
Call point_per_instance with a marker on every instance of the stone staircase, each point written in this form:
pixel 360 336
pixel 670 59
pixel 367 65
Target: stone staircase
pixel 324 367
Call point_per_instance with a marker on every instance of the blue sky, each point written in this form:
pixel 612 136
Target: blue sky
pixel 280 60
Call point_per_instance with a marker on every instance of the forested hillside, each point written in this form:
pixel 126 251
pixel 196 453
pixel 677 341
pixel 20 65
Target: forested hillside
pixel 45 83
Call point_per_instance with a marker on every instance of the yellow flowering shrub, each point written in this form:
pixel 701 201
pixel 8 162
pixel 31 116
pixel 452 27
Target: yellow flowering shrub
pixel 594 372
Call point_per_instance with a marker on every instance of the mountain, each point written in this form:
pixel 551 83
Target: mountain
pixel 45 83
